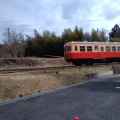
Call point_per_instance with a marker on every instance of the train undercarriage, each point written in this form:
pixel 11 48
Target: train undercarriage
pixel 90 62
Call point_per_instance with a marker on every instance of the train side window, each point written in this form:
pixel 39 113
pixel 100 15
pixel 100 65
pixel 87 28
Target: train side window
pixel 75 48
pixel 118 48
pixel 113 48
pixel 96 48
pixel 101 48
pixel 82 48
pixel 89 48
pixel 107 48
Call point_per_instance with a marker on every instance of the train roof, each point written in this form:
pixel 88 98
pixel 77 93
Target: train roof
pixel 85 42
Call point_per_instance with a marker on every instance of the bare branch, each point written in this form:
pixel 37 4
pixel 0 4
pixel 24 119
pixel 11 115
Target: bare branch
pixel 14 42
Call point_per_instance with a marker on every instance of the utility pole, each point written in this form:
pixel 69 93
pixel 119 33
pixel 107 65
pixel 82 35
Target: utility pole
pixel 9 41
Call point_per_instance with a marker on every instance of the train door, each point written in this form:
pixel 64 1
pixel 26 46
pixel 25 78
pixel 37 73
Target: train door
pixel 96 50
pixel 75 55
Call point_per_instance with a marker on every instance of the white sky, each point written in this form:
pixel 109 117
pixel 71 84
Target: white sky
pixel 54 15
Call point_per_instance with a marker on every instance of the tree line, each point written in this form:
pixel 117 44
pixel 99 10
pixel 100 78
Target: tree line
pixel 47 43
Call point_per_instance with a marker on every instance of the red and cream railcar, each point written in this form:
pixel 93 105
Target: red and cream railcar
pixel 91 52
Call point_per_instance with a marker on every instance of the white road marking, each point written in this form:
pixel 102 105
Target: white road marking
pixel 118 87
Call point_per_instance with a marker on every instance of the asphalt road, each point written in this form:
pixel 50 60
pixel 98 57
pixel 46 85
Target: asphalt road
pixel 95 100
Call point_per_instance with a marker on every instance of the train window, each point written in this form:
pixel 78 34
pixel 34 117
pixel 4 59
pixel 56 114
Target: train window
pixel 75 48
pixel 118 48
pixel 89 48
pixel 96 48
pixel 113 48
pixel 68 48
pixel 101 48
pixel 82 48
pixel 107 48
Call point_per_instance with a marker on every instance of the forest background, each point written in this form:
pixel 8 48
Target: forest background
pixel 49 44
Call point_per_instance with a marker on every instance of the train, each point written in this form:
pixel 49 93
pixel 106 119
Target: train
pixel 88 53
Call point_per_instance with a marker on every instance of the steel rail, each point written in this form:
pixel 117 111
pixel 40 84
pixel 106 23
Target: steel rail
pixel 12 70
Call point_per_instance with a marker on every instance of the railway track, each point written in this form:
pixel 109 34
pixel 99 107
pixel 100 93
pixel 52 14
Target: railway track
pixel 36 69
pixel 13 70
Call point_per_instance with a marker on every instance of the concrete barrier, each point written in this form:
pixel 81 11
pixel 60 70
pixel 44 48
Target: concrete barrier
pixel 116 71
pixel 99 74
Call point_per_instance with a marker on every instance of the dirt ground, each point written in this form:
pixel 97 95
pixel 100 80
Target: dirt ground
pixel 15 85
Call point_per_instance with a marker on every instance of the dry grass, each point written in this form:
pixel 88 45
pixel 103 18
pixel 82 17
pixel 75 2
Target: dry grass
pixel 17 85
pixel 31 62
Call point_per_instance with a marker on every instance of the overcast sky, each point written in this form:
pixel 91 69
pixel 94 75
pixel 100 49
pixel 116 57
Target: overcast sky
pixel 57 15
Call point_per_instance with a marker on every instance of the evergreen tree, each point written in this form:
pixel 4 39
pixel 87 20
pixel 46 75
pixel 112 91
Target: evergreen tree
pixel 94 35
pixel 87 37
pixel 115 32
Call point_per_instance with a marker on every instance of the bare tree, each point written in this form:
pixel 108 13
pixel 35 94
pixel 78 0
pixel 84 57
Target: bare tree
pixel 15 42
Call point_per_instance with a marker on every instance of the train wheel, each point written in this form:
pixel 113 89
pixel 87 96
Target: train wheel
pixel 87 63
pixel 91 62
pixel 77 63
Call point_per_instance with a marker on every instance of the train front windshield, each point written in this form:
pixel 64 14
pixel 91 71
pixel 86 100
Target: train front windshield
pixel 67 49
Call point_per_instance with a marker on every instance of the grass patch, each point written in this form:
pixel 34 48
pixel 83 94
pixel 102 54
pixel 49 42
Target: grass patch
pixel 17 85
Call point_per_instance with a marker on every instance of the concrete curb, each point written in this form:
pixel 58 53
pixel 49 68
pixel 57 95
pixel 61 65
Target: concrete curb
pixel 116 71
pixel 99 74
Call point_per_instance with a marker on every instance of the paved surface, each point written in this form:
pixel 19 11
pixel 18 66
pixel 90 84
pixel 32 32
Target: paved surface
pixel 95 100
